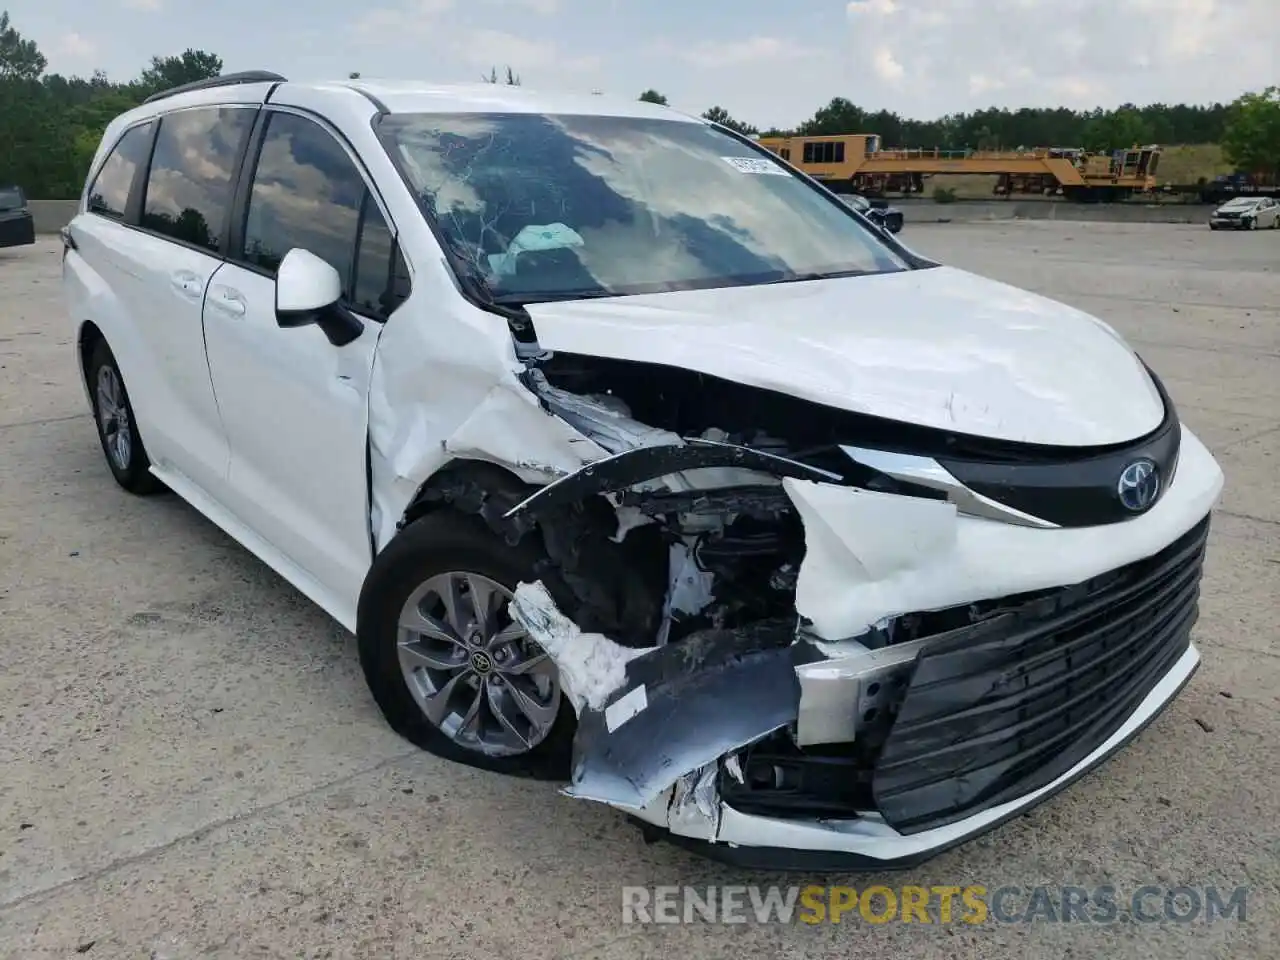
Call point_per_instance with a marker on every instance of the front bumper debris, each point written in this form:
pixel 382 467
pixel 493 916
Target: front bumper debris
pixel 760 748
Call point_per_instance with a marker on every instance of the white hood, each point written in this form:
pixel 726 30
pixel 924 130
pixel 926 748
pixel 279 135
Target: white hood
pixel 937 347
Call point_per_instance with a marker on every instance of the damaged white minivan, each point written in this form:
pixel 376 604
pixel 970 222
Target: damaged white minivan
pixel 635 458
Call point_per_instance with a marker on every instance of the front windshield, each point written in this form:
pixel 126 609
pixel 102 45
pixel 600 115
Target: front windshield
pixel 539 208
pixel 858 202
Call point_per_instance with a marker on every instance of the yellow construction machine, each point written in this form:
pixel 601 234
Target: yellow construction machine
pixel 856 163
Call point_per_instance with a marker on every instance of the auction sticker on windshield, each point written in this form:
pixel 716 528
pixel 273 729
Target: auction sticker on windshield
pixel 754 165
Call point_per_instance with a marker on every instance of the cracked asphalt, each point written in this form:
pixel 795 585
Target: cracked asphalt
pixel 190 765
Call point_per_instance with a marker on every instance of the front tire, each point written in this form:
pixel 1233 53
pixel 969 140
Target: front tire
pixel 117 426
pixel 449 670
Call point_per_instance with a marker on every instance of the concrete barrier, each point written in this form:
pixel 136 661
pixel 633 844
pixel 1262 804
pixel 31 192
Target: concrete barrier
pixel 968 211
pixel 50 216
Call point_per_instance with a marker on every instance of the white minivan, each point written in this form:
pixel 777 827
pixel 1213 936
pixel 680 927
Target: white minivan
pixel 635 459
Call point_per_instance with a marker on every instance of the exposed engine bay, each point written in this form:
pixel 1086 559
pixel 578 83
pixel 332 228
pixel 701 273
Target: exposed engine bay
pixel 730 540
pixel 715 664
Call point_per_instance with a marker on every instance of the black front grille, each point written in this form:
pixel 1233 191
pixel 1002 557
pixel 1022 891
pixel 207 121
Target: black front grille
pixel 998 709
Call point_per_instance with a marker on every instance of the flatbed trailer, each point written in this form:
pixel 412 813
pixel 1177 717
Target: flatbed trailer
pixel 856 163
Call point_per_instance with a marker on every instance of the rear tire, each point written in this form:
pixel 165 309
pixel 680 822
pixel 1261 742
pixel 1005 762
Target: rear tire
pixel 117 426
pixel 431 550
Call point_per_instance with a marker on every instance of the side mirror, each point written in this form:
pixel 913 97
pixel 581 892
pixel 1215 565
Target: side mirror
pixel 308 290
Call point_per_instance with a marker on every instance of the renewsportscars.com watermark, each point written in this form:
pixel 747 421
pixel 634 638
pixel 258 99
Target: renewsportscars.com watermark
pixel 971 904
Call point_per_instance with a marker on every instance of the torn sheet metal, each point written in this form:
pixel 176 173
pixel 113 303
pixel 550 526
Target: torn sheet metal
pixel 451 389
pixel 606 419
pixel 678 708
pixel 858 545
pixel 510 429
pixel 635 466
pixel 870 555
pixel 695 804
pixel 592 667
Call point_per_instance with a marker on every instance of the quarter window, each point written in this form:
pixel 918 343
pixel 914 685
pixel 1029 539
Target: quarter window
pixel 308 193
pixel 109 194
pixel 374 257
pixel 189 184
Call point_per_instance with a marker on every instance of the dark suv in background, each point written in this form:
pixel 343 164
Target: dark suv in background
pixel 16 226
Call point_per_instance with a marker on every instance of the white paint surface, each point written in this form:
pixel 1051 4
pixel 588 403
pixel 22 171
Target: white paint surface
pixel 940 347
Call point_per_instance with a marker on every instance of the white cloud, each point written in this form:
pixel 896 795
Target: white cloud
pixel 732 53
pixel 74 46
pixel 879 8
pixel 886 65
pixel 980 83
pixel 497 48
pixel 947 55
pixel 543 7
pixel 147 6
pixel 410 19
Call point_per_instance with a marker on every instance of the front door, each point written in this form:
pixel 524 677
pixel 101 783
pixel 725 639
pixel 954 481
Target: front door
pixel 294 405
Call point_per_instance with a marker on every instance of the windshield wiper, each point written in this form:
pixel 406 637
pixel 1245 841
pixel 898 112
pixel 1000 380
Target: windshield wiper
pixel 819 275
pixel 522 300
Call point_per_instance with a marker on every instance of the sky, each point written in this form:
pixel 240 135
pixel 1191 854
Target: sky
pixel 765 65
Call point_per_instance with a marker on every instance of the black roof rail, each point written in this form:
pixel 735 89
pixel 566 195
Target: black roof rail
pixel 225 80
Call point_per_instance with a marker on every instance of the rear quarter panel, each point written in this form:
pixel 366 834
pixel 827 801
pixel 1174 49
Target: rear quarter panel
pixel 91 276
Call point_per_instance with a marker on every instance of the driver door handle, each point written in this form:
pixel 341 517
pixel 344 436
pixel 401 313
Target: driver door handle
pixel 229 301
pixel 188 284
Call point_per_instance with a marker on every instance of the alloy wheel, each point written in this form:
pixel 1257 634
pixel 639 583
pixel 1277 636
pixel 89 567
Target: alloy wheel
pixel 113 418
pixel 476 675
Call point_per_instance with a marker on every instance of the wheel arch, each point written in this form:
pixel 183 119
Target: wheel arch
pixel 87 338
pixel 617 594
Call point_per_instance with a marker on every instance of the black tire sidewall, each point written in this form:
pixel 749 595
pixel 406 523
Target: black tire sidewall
pixel 440 542
pixel 136 476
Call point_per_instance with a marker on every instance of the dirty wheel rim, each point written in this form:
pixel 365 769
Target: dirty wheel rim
pixel 477 676
pixel 113 418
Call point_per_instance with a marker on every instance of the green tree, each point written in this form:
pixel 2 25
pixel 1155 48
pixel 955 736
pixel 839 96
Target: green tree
pixel 1251 139
pixel 653 96
pixel 837 117
pixel 1126 126
pixel 19 59
pixel 188 67
pixel 353 75
pixel 721 116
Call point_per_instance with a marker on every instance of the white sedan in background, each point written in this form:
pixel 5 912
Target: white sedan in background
pixel 1247 213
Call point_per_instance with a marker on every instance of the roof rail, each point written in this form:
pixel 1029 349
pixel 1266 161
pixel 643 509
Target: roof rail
pixel 225 80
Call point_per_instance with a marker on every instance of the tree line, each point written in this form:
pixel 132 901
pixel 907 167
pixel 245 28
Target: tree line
pixel 1248 128
pixel 50 124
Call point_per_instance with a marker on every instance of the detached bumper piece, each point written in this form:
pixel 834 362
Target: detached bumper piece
pixel 999 709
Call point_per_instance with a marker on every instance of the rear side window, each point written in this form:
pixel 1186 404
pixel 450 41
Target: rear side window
pixel 109 194
pixel 189 184
pixel 308 193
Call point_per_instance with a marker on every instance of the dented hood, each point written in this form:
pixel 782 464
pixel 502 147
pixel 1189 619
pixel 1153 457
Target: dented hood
pixel 937 347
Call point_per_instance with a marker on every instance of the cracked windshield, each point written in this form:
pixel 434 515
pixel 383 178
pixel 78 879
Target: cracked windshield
pixel 537 208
